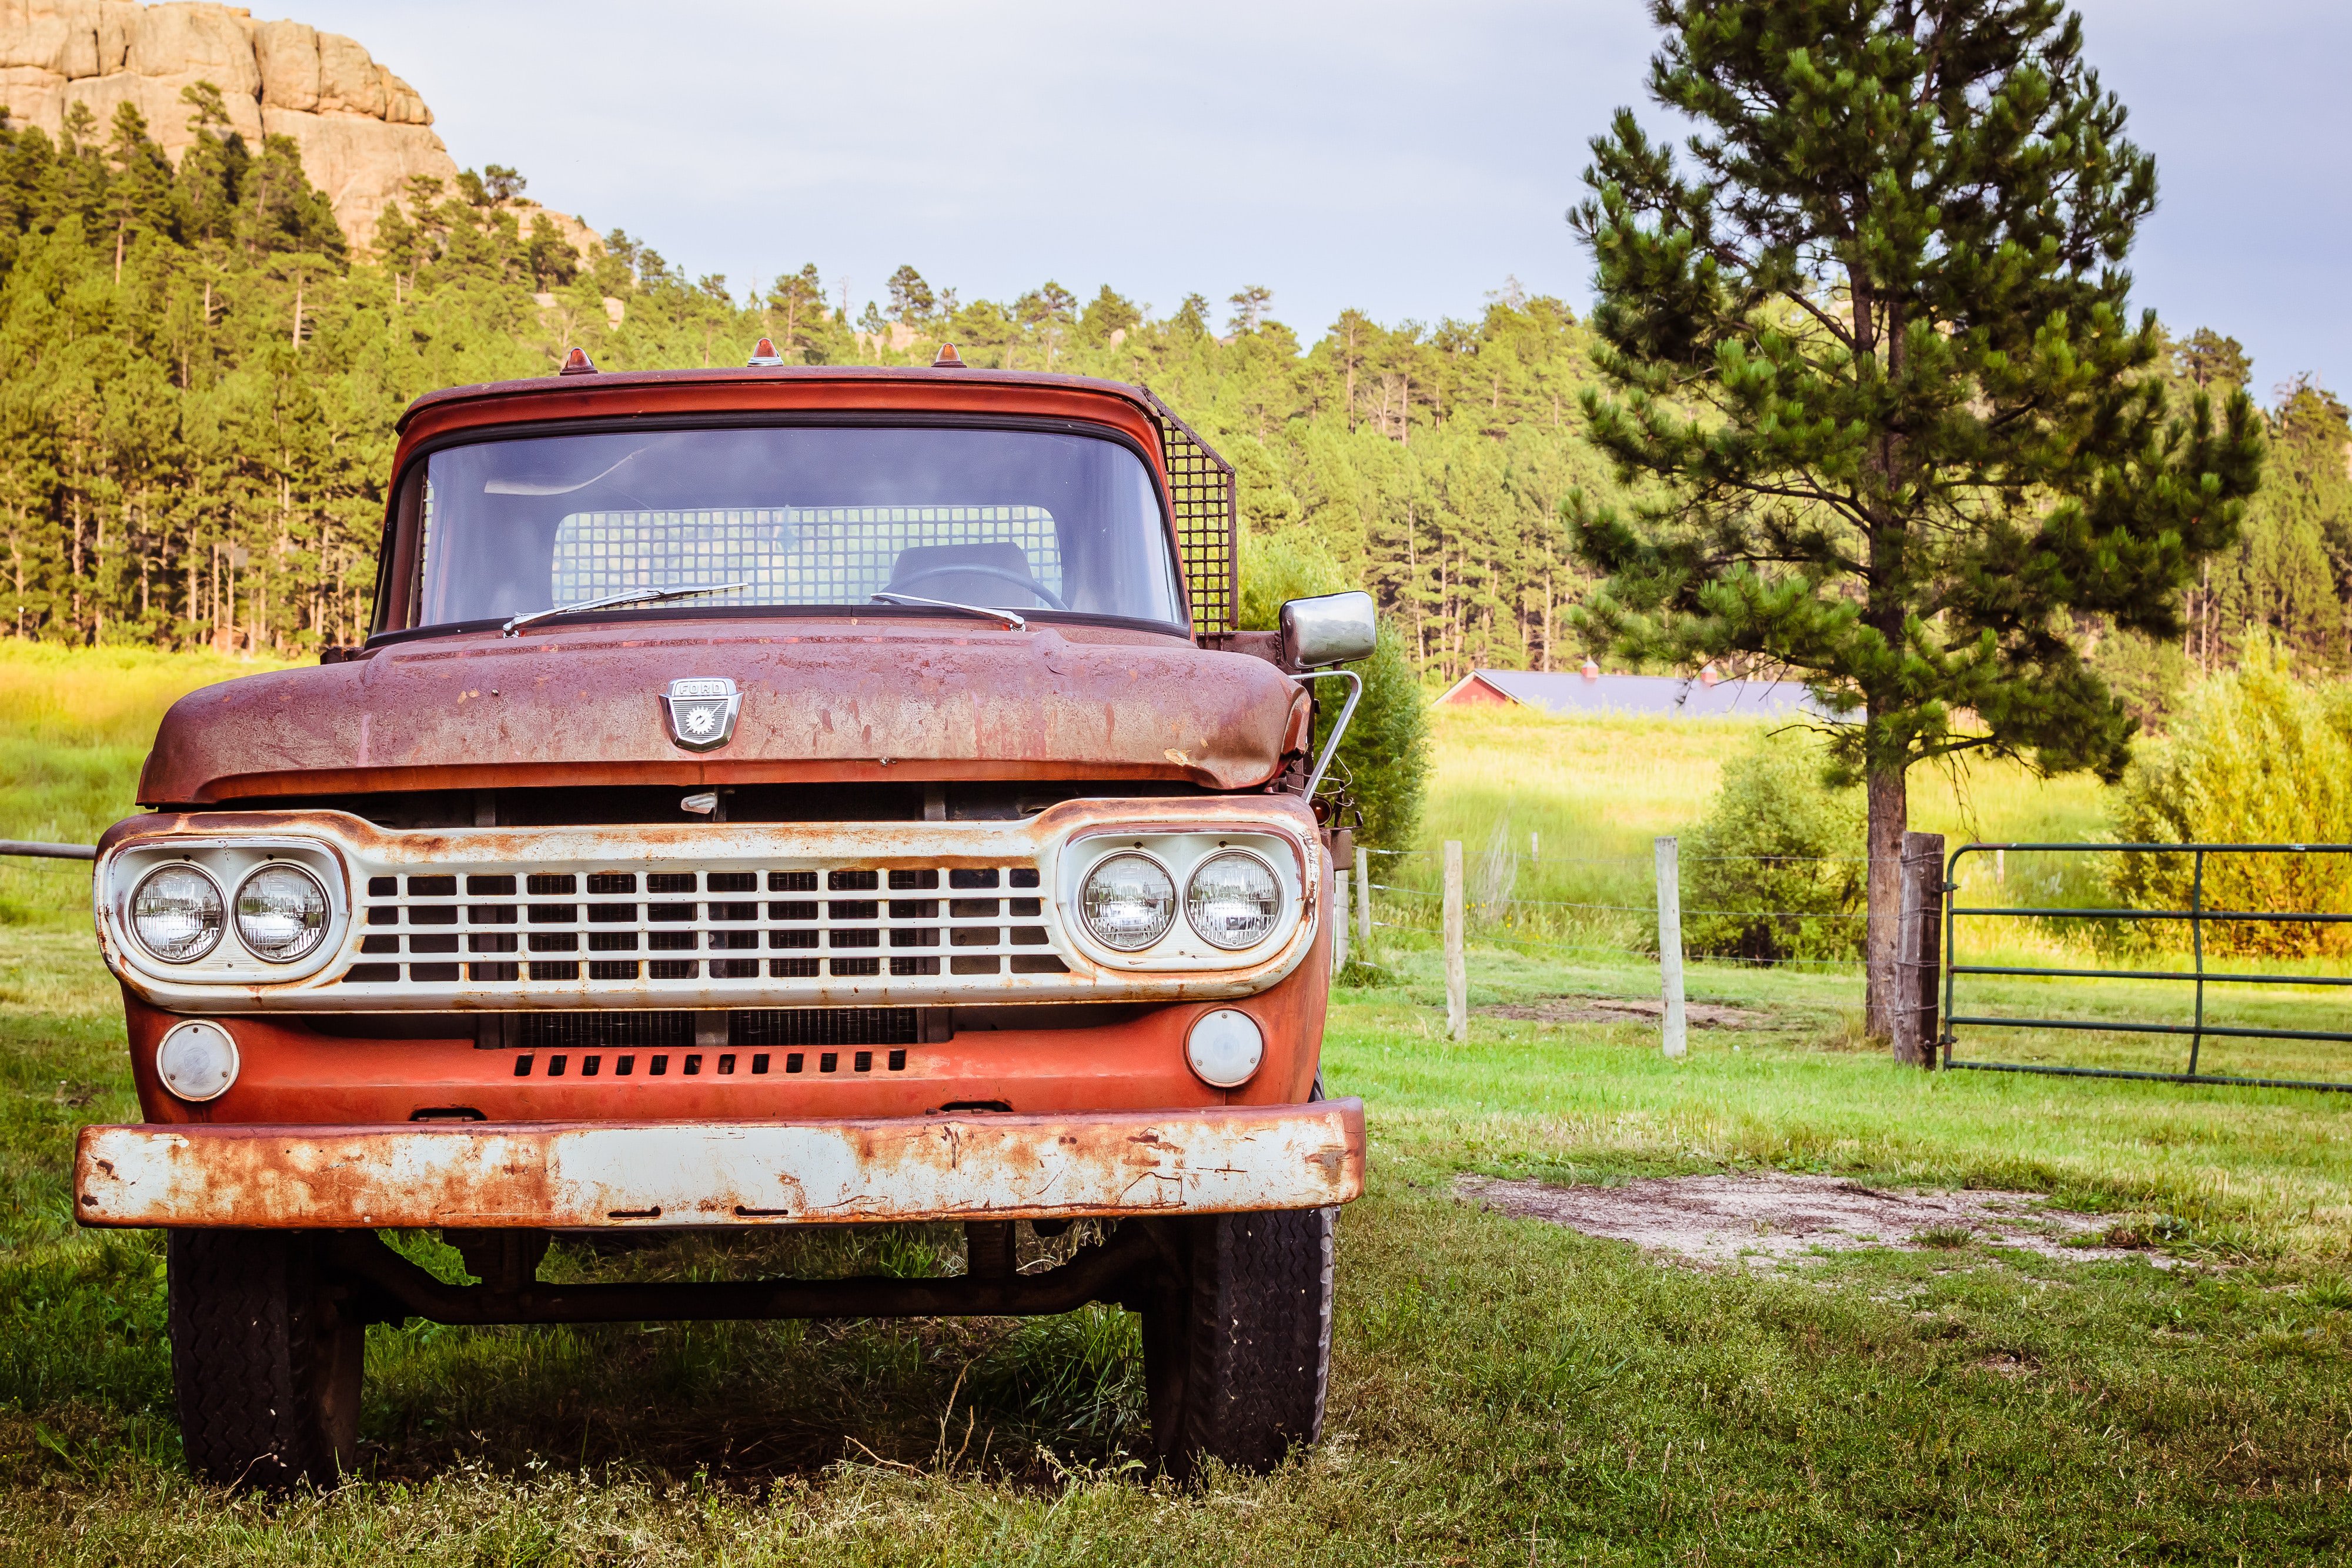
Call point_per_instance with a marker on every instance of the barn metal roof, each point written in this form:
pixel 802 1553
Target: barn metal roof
pixel 1666 697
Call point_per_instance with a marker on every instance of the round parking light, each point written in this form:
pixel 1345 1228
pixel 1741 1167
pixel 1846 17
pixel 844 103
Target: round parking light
pixel 1224 1048
pixel 176 913
pixel 197 1060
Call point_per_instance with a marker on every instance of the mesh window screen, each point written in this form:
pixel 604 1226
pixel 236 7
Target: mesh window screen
pixel 1200 483
pixel 793 555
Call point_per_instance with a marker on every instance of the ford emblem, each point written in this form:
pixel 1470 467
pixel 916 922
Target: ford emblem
pixel 703 712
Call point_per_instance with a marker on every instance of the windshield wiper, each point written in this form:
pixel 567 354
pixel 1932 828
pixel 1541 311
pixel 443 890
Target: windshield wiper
pixel 1011 622
pixel 634 596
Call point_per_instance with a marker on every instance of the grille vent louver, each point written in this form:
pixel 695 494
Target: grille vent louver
pixel 746 1029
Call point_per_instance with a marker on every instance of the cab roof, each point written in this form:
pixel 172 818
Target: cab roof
pixel 601 394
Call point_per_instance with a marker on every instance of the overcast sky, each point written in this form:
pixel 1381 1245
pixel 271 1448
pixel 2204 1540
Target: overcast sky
pixel 1403 159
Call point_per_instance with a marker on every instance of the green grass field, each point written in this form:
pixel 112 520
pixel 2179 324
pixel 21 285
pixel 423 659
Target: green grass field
pixel 1504 1392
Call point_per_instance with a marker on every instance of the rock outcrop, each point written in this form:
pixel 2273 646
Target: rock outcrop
pixel 363 131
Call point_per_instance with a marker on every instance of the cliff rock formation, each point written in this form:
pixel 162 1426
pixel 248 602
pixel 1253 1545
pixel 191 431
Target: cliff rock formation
pixel 363 131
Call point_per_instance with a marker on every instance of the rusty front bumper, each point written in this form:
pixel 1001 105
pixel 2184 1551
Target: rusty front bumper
pixel 568 1175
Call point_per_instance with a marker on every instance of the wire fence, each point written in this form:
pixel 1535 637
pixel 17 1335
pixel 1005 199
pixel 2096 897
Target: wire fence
pixel 2068 971
pixel 1577 903
pixel 1648 909
pixel 1618 920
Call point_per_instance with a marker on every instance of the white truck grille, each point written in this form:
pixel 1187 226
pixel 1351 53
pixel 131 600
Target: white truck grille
pixel 685 927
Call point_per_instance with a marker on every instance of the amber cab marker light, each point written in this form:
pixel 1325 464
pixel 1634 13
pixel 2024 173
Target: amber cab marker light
pixel 763 353
pixel 578 364
pixel 949 359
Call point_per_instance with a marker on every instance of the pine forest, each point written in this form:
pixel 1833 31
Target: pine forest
pixel 199 380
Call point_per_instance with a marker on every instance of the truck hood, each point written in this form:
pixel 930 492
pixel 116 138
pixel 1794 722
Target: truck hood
pixel 823 701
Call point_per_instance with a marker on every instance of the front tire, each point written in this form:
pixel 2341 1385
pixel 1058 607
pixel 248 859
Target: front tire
pixel 1238 1358
pixel 266 1358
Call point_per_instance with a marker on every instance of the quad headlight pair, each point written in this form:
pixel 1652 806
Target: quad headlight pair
pixel 1232 900
pixel 281 912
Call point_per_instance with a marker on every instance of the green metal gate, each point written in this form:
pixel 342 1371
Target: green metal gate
pixel 2196 1029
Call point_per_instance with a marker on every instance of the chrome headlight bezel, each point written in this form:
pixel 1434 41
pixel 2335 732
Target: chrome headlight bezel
pixel 228 861
pixel 1182 948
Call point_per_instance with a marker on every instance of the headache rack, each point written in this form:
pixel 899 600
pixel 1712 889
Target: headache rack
pixel 1200 485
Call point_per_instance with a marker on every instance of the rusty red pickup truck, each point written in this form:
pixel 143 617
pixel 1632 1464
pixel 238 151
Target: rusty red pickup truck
pixel 782 795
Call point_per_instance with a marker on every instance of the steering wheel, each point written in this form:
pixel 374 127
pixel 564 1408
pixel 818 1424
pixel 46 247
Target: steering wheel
pixel 1030 584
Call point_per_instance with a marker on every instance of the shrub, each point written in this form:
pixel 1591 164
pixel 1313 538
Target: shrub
pixel 2254 757
pixel 1778 839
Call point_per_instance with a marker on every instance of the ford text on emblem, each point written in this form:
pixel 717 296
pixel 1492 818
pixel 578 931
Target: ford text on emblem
pixel 703 712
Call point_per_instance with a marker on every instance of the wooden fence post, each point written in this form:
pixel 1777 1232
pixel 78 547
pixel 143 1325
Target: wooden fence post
pixel 1919 950
pixel 1364 897
pixel 1339 924
pixel 1457 974
pixel 1670 946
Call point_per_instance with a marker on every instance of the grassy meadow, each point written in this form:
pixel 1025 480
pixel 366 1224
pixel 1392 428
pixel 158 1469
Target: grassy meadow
pixel 1562 812
pixel 1557 819
pixel 75 725
pixel 1504 1392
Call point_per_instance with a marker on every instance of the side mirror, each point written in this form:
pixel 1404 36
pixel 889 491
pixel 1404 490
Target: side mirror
pixel 1330 630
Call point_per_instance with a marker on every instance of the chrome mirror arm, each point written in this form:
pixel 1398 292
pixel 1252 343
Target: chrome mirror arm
pixel 1332 747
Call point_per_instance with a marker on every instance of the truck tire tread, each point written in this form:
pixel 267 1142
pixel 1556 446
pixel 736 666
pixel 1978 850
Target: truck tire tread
pixel 266 1374
pixel 1258 1343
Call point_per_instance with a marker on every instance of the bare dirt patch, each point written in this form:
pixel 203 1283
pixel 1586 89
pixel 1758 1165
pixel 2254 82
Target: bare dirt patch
pixel 1633 1010
pixel 1771 1216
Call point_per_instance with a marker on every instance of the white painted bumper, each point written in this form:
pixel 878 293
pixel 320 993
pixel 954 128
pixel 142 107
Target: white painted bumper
pixel 655 1174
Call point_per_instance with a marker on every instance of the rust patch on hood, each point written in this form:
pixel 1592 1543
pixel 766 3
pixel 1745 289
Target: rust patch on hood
pixel 849 699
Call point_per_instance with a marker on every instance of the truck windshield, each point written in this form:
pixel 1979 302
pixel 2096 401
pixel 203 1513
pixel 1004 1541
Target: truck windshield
pixel 1030 521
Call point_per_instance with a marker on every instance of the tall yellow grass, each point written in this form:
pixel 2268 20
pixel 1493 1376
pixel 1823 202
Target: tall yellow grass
pixel 75 727
pixel 101 696
pixel 1556 818
pixel 1561 794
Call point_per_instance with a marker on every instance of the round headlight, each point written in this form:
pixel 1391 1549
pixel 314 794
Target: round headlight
pixel 281 912
pixel 1224 1048
pixel 176 913
pixel 1233 900
pixel 1128 901
pixel 196 1059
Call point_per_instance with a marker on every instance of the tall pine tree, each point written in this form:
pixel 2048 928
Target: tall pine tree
pixel 1872 355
